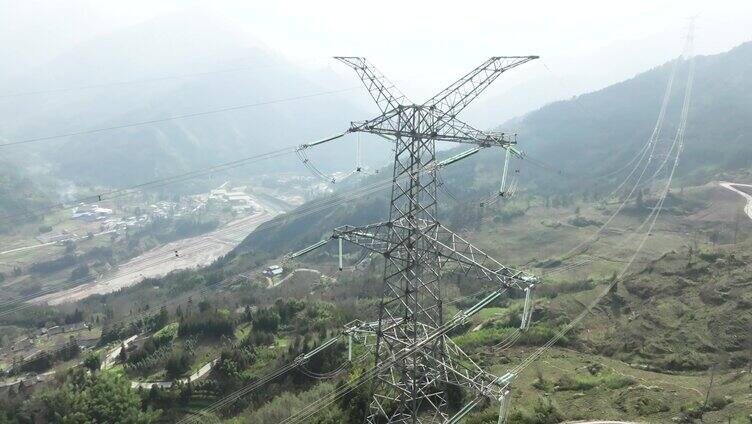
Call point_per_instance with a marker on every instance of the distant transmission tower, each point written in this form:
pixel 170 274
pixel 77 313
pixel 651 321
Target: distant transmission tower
pixel 418 249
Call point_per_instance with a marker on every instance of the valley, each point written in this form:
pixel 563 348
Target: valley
pixel 201 221
pixel 182 254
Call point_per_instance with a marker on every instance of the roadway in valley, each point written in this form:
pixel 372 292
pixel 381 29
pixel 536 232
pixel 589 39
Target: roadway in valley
pixel 191 252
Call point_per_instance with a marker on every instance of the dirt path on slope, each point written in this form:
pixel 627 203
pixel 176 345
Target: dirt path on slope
pixel 747 196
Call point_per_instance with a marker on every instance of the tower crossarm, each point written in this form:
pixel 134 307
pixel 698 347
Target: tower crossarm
pixel 451 100
pixel 386 95
pixel 455 250
pixel 444 128
pixel 457 131
pixel 372 237
pixel 461 370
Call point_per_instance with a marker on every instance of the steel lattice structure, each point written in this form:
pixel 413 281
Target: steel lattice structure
pixel 418 249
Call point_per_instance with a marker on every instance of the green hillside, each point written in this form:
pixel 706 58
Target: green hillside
pixel 596 133
pixel 19 196
pixel 584 138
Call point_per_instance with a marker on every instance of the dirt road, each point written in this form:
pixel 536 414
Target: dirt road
pixel 52 243
pixel 191 252
pixel 112 356
pixel 731 186
pixel 166 384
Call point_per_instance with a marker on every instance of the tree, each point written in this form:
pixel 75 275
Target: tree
pixel 123 355
pixel 80 272
pixel 161 319
pixel 70 350
pixel 92 362
pixel 178 364
pixel 266 320
pixel 90 398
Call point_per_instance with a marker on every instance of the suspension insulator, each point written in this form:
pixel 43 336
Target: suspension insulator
pixel 527 310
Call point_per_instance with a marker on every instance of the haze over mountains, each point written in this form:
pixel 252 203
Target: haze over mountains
pixel 598 132
pixel 239 72
pixel 605 127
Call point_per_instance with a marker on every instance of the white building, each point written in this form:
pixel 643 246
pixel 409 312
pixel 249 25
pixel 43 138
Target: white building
pixel 273 271
pixel 91 213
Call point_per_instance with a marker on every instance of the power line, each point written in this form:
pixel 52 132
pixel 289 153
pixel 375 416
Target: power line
pixel 131 82
pixel 298 213
pixel 311 208
pixel 174 117
pixel 655 213
pixel 156 183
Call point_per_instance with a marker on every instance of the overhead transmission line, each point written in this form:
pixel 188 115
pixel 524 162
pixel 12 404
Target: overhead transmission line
pixel 648 147
pixel 652 219
pixel 174 117
pixel 308 209
pixel 304 414
pixel 594 237
pixel 317 206
pixel 388 182
pixel 132 82
pixel 317 405
pixel 155 183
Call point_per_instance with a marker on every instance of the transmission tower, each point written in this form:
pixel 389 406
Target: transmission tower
pixel 417 248
pixel 414 358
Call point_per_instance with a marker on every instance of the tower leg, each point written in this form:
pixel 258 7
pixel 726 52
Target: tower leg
pixel 504 407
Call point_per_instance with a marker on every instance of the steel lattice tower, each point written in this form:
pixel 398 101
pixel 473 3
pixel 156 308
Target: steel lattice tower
pixel 418 249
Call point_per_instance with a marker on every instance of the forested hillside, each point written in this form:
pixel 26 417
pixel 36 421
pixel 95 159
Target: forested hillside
pixel 596 133
pixel 18 195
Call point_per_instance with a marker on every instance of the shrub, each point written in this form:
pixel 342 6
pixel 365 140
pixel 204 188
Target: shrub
pixel 92 362
pixel 178 363
pixel 647 405
pixel 166 334
pixel 209 323
pixel 686 361
pixel 80 273
pixel 580 221
pixel 584 382
pixel 54 265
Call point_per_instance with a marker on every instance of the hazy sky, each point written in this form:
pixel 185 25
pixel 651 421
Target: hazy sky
pixel 422 44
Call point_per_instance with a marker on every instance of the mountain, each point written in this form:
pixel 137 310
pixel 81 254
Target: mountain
pixel 233 70
pixel 19 194
pixel 598 132
pixel 584 138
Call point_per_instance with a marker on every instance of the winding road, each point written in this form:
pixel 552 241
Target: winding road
pixel 111 357
pixel 732 187
pixel 166 384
